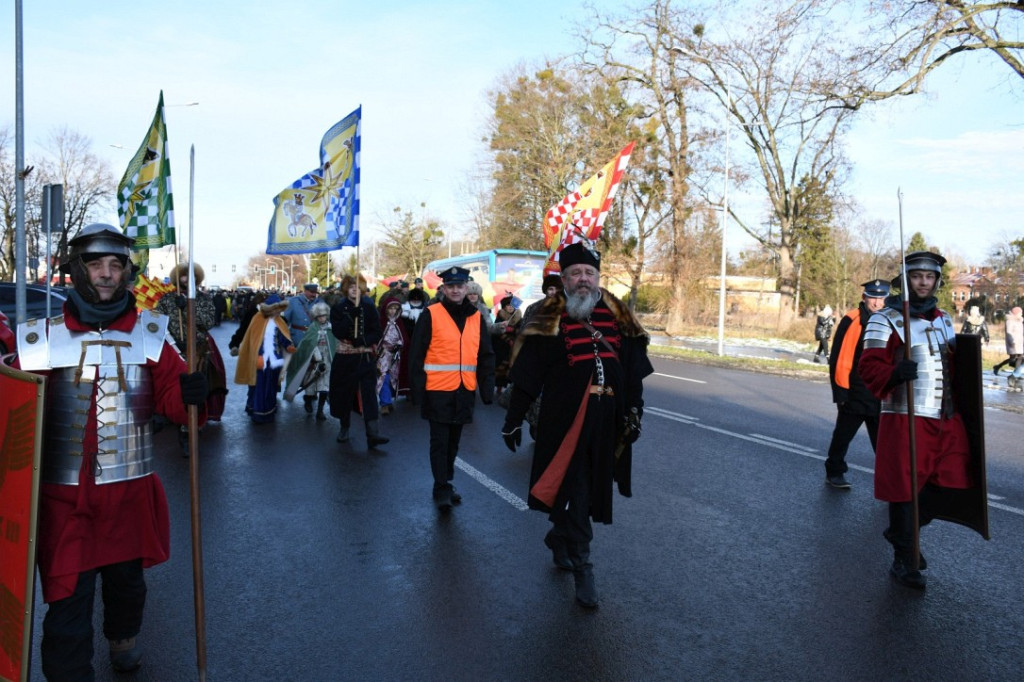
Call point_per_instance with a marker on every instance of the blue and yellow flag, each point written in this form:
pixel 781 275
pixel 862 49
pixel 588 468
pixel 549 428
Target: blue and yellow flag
pixel 320 211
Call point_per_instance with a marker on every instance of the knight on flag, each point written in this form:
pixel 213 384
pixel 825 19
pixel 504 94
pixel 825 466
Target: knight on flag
pixel 579 216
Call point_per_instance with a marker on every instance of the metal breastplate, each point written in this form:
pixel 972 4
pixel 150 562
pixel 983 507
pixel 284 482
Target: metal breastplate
pixel 931 342
pixel 110 365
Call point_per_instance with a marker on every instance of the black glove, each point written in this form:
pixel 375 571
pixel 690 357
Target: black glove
pixel 905 370
pixel 181 301
pixel 512 435
pixel 631 427
pixel 194 388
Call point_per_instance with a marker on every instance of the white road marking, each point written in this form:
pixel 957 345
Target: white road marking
pixel 794 448
pixel 492 485
pixel 782 442
pixel 672 376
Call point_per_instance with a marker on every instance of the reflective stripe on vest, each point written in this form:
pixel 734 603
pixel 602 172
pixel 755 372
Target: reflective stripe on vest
pixel 450 352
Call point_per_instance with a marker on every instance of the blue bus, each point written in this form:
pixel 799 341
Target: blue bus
pixel 498 271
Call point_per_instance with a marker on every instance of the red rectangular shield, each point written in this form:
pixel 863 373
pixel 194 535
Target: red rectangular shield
pixel 21 430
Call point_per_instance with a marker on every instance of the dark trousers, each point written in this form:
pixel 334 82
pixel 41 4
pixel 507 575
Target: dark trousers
pixel 346 389
pixel 900 532
pixel 67 627
pixel 571 513
pixel 444 446
pixel 571 518
pixel 846 428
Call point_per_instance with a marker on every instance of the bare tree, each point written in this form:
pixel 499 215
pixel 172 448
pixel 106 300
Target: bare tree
pixel 33 192
pixel 89 186
pixel 876 237
pixel 774 70
pixel 921 35
pixel 643 54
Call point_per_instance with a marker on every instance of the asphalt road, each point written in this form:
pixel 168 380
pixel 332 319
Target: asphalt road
pixel 733 560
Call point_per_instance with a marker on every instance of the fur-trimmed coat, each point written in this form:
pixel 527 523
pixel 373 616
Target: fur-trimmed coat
pixel 252 344
pixel 542 365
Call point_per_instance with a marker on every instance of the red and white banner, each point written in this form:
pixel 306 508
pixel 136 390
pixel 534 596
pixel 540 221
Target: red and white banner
pixel 582 213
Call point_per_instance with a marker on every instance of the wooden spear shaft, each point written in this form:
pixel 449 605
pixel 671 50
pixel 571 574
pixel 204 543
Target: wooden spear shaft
pixel 912 436
pixel 193 443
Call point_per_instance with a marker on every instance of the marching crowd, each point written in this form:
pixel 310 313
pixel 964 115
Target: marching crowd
pixel 571 366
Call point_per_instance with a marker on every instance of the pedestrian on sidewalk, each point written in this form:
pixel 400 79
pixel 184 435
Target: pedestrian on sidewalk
pixel 451 358
pixel 1014 330
pixel 975 323
pixel 855 403
pixel 822 332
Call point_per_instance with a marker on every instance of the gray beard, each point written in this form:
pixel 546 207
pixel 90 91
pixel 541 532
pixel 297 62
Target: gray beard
pixel 579 305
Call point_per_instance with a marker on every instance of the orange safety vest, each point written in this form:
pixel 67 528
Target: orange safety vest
pixel 450 353
pixel 844 363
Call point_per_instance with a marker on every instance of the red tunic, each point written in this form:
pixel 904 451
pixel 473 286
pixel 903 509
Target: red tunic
pixel 87 526
pixel 943 451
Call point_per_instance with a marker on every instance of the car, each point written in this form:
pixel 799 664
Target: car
pixel 7 340
pixel 35 300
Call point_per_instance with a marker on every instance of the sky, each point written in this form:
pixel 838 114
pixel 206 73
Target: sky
pixel 271 77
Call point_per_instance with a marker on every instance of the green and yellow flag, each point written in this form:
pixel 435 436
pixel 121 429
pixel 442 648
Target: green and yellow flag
pixel 145 204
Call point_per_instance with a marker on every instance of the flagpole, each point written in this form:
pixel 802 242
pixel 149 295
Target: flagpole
pixel 193 437
pixel 912 436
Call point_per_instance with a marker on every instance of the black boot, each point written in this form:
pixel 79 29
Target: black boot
pixel 343 433
pixel 308 402
pixel 583 575
pixel 559 552
pixel 443 498
pixel 320 407
pixel 373 437
pixel 900 534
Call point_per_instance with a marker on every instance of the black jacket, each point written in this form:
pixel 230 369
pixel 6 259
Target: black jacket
pixel 450 407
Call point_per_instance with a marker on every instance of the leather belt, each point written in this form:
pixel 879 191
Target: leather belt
pixel 601 390
pixel 350 350
pixel 298 328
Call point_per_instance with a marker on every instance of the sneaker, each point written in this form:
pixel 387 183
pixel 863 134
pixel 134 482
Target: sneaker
pixel 125 655
pixel 838 481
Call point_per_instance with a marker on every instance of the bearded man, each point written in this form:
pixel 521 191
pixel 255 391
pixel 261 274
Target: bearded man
pixel 585 354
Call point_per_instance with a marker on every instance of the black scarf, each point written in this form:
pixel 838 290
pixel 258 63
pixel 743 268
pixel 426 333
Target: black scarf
pixel 98 314
pixel 919 307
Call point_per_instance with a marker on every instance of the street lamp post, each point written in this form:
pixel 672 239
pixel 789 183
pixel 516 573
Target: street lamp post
pixel 725 223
